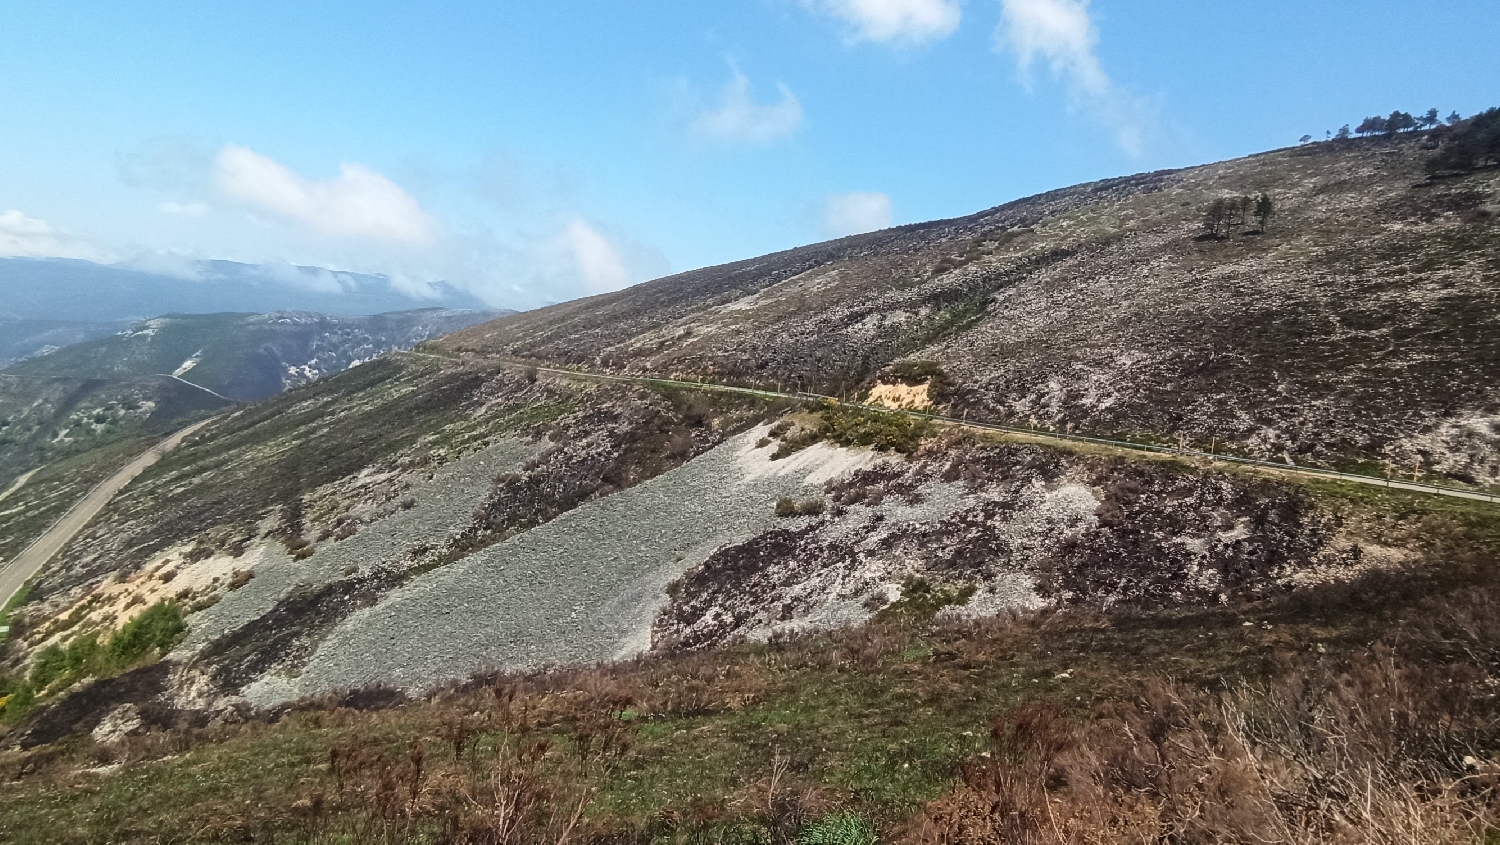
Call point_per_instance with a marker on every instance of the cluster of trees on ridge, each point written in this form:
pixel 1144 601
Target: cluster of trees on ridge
pixel 1397 122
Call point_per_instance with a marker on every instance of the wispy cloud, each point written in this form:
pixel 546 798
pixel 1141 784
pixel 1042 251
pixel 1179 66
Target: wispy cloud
pixel 602 268
pixel 856 213
pixel 357 203
pixel 32 237
pixel 894 21
pixel 739 119
pixel 1062 34
pixel 184 209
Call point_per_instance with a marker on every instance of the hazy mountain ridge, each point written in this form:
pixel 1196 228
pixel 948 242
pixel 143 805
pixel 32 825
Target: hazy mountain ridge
pixel 77 290
pixel 158 373
pixel 22 339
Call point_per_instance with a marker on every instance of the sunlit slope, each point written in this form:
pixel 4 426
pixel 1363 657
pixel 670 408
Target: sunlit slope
pixel 1361 326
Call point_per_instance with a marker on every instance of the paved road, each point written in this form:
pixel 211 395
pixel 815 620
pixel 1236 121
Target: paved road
pixel 35 556
pixel 1045 436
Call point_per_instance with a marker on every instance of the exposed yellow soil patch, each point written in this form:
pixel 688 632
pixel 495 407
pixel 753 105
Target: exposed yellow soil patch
pixel 905 396
pixel 114 603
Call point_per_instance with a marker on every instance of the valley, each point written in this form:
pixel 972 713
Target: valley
pixel 1068 507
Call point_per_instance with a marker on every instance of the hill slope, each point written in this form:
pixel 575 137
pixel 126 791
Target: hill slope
pixel 1363 325
pixel 823 595
pixel 247 357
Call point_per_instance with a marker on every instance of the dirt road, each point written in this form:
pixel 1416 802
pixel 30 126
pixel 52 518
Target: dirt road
pixel 1042 435
pixel 29 562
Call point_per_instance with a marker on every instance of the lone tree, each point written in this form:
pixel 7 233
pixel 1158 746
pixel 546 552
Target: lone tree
pixel 1453 118
pixel 1343 133
pixel 1265 209
pixel 1305 139
pixel 1216 217
pixel 1430 120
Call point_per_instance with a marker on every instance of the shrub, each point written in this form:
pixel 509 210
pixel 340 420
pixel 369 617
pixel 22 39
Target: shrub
pixel 838 829
pixel 877 429
pixel 157 629
pixel 787 508
pixel 921 600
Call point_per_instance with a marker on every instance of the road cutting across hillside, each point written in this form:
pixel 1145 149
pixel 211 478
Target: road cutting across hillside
pixel 1044 436
pixel 30 561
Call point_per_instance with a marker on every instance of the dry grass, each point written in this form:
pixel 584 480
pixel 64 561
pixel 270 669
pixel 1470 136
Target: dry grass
pixel 1271 741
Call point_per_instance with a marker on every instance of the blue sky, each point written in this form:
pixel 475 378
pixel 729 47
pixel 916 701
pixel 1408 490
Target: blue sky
pixel 536 152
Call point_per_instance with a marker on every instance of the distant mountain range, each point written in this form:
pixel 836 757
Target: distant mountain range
pixel 57 289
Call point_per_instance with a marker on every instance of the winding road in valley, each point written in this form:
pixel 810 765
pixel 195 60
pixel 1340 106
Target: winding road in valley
pixel 29 562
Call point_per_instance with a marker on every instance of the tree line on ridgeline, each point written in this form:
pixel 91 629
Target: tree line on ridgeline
pixel 1461 143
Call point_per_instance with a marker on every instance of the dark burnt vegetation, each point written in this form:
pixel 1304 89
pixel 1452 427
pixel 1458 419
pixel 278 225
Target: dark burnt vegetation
pixel 1467 145
pixel 1083 531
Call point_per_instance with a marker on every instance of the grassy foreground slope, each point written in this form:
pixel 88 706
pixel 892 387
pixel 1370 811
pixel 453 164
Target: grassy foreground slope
pixel 1358 327
pixel 1354 712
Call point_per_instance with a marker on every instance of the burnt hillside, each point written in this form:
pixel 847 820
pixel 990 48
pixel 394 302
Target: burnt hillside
pixel 1362 325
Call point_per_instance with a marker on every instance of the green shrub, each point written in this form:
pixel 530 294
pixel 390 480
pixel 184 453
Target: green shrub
pixel 156 630
pixel 18 700
pixel 876 429
pixel 838 829
pixel 921 600
pixel 55 666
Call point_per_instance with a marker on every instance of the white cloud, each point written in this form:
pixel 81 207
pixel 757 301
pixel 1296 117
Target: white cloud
pixel 738 119
pixel 856 213
pixel 31 237
pixel 1062 34
pixel 894 21
pixel 358 202
pixel 603 271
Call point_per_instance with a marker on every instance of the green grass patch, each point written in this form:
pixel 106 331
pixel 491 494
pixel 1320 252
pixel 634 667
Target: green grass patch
pixel 145 638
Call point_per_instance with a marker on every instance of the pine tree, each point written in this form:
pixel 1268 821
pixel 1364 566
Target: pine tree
pixel 1265 209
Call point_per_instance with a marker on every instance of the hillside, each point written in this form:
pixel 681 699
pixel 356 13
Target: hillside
pixel 471 592
pixel 247 357
pixel 21 339
pixel 1359 327
pixel 152 377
